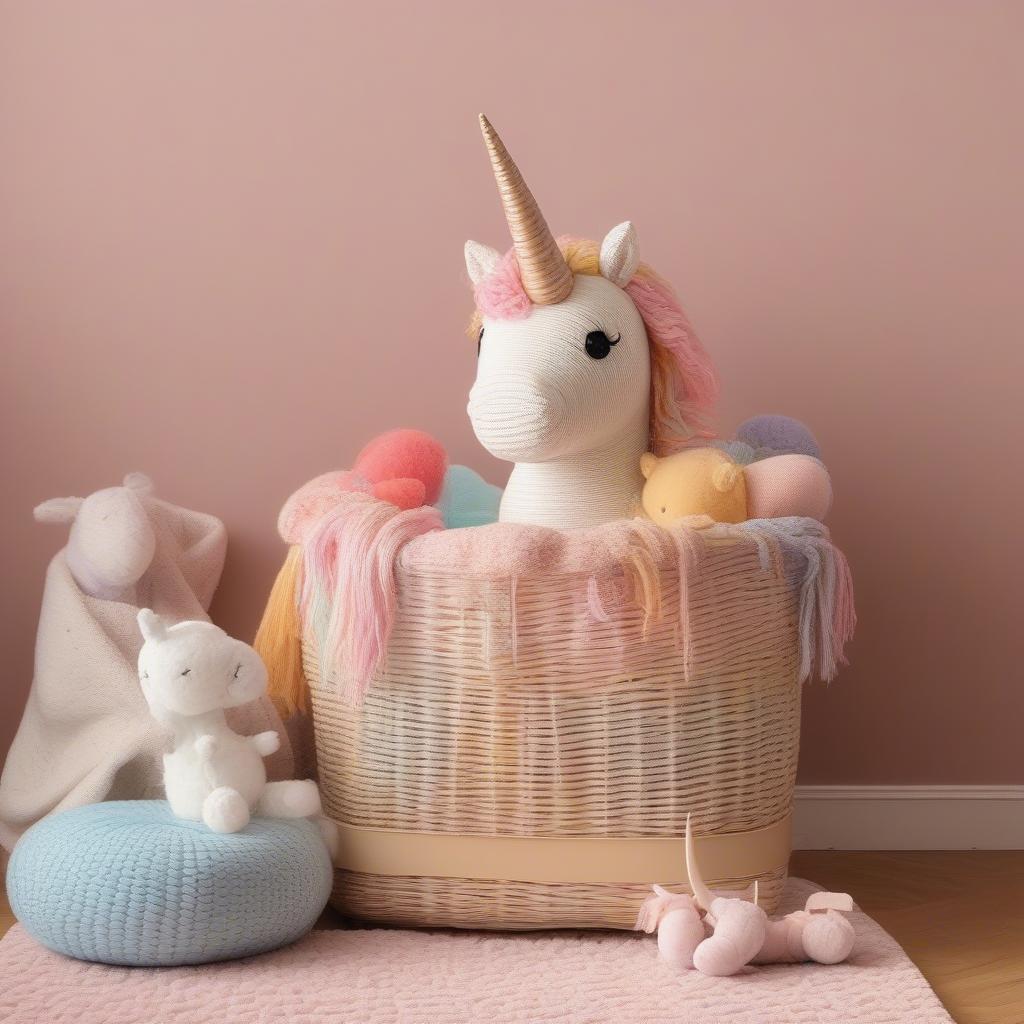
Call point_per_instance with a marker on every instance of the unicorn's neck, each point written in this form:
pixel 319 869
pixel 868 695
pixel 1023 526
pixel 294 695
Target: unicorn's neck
pixel 585 489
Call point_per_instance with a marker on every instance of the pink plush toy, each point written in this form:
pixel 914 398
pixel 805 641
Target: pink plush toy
pixel 735 932
pixel 676 918
pixel 403 467
pixel 788 485
pixel 819 932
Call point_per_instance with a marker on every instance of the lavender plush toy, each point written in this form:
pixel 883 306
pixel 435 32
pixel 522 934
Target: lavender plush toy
pixel 781 435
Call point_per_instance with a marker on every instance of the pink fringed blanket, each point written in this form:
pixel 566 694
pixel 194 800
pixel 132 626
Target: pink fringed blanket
pixel 403 977
pixel 355 550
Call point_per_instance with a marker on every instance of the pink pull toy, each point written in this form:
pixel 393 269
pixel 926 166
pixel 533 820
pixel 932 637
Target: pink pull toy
pixel 735 931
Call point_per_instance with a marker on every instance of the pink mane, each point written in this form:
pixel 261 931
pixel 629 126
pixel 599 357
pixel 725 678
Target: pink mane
pixel 695 382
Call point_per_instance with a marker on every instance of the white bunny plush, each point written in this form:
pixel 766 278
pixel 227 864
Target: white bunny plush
pixel 191 672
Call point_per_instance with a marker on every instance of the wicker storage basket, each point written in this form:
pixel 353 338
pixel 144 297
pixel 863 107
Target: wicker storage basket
pixel 527 752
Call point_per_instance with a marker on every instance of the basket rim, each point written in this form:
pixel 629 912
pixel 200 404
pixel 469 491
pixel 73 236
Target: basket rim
pixel 500 550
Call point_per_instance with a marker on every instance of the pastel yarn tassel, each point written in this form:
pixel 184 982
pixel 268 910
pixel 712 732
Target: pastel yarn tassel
pixel 279 639
pixel 595 604
pixel 349 591
pixel 844 617
pixel 646 584
pixel 689 549
pixel 826 616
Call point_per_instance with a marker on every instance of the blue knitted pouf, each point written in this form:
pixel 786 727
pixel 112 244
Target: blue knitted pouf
pixel 129 883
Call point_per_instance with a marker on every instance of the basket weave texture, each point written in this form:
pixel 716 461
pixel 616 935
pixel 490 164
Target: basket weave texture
pixel 566 703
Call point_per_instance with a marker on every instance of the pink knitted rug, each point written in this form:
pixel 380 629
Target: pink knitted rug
pixel 404 977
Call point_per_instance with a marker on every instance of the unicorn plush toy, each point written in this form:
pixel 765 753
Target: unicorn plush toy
pixel 586 361
pixel 190 673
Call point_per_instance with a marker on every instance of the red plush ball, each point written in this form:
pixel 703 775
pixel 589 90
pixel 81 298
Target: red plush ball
pixel 405 455
pixel 405 493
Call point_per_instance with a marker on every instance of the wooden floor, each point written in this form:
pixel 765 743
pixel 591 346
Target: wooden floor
pixel 959 915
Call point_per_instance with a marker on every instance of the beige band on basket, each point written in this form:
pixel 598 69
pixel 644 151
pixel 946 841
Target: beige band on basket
pixel 559 859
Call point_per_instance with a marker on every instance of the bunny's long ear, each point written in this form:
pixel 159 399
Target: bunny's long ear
pixel 57 510
pixel 152 626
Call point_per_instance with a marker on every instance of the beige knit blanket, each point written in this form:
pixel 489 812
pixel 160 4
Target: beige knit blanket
pixel 86 734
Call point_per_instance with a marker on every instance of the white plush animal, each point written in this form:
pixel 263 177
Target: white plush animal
pixel 190 673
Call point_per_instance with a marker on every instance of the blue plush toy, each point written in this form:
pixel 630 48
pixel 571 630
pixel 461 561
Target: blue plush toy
pixel 467 499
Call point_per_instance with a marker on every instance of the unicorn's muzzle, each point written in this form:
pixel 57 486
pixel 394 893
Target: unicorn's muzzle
pixel 514 418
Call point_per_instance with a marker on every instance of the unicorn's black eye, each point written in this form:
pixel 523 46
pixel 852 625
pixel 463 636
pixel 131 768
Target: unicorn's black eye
pixel 479 342
pixel 598 344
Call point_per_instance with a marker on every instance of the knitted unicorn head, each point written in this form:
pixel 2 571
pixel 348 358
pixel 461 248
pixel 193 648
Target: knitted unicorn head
pixel 586 361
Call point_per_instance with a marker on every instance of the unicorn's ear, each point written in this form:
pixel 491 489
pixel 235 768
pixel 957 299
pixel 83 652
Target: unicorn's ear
pixel 151 625
pixel 139 482
pixel 647 463
pixel 57 510
pixel 480 261
pixel 620 254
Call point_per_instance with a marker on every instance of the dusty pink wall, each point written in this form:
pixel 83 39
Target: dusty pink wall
pixel 230 250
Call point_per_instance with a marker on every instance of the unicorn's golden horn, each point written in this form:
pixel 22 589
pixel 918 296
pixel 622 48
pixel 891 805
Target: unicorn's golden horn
pixel 546 276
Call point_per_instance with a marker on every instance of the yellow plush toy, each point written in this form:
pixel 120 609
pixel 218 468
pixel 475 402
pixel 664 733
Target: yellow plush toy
pixel 698 481
pixel 705 481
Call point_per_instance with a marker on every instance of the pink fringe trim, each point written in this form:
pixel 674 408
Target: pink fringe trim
pixel 350 594
pixel 827 616
pixel 595 605
pixel 646 585
pixel 688 554
pixel 350 591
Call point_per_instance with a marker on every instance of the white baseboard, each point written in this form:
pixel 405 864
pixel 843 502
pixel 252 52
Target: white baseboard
pixel 908 818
